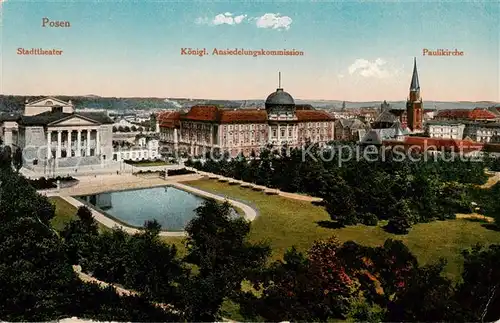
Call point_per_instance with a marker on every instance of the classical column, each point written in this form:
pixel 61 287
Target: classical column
pixel 211 135
pixel 79 143
pixel 97 143
pixel 68 148
pixel 278 134
pixel 87 153
pixel 49 148
pixel 59 138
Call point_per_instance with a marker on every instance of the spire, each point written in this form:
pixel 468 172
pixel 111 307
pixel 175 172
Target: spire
pixel 414 79
pixel 279 80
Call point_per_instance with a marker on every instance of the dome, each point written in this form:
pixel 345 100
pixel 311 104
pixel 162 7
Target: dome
pixel 280 97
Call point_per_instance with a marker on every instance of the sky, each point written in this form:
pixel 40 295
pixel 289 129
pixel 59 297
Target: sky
pixel 353 51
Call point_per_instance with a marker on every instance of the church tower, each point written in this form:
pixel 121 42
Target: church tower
pixel 414 108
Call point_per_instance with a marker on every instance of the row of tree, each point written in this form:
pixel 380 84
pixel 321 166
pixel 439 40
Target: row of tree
pixel 330 281
pixel 128 129
pixel 37 282
pixel 361 190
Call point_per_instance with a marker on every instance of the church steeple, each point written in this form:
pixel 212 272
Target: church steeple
pixel 414 108
pixel 414 86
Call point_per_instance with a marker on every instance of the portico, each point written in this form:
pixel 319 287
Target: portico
pixel 64 142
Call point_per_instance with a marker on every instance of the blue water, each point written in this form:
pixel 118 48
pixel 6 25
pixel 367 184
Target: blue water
pixel 171 207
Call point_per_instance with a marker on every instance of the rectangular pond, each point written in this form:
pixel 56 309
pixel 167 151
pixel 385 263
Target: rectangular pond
pixel 171 207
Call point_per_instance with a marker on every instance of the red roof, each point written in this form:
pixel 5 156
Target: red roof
pixel 202 113
pixel 168 119
pixel 240 116
pixel 425 143
pixel 476 114
pixel 211 113
pixel 313 115
pixel 492 148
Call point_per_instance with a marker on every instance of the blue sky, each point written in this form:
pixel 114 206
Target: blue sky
pixel 132 48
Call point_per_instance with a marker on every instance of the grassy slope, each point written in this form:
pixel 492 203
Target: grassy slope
pixel 284 222
pixel 65 212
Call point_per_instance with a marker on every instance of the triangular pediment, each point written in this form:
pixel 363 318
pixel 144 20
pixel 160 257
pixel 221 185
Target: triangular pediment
pixel 75 120
pixel 48 102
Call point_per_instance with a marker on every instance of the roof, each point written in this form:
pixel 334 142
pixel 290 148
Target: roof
pixel 243 116
pixel 492 147
pixel 303 107
pixel 313 115
pixel 425 143
pixel 169 119
pixel 49 117
pixel 483 124
pixel 61 102
pixel 444 122
pixel 475 114
pixel 415 85
pixel 353 124
pixel 377 136
pixel 9 117
pixel 386 117
pixel 280 97
pixel 209 113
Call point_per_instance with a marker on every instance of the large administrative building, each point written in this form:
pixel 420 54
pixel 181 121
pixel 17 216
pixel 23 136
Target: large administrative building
pixel 282 122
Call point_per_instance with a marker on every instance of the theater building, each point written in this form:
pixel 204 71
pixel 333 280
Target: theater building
pixel 52 134
pixel 281 122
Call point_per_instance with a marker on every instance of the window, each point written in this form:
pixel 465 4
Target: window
pixel 289 132
pixel 282 132
pixel 274 132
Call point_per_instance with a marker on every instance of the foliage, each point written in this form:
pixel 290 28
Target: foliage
pixel 479 293
pixel 17 159
pixel 217 246
pixel 432 189
pixel 37 282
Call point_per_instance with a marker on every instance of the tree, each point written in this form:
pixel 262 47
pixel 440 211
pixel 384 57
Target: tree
pixel 426 296
pixel 401 217
pixel 133 128
pixel 5 157
pixel 340 202
pixel 17 159
pixel 479 293
pixel 217 245
pixel 115 129
pixel 80 237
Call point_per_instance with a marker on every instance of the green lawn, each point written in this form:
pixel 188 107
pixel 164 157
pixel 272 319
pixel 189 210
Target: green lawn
pixel 285 222
pixel 65 212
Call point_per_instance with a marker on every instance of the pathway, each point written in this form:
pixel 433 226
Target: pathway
pixel 475 216
pixel 295 196
pixel 124 292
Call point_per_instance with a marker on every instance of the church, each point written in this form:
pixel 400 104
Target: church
pixel 235 131
pixel 52 135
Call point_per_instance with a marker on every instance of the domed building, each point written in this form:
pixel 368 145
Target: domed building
pixel 282 122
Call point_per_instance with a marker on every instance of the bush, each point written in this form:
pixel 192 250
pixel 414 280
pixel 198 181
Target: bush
pixel 369 219
pixel 399 225
pixel 181 171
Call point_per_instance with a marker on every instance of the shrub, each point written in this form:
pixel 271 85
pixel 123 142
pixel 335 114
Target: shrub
pixel 399 225
pixel 181 171
pixel 369 219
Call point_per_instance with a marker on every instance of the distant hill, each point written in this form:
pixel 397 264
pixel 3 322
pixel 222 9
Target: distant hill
pixel 11 103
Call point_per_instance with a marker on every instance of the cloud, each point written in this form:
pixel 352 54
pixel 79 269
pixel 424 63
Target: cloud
pixel 274 21
pixel 367 68
pixel 226 18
